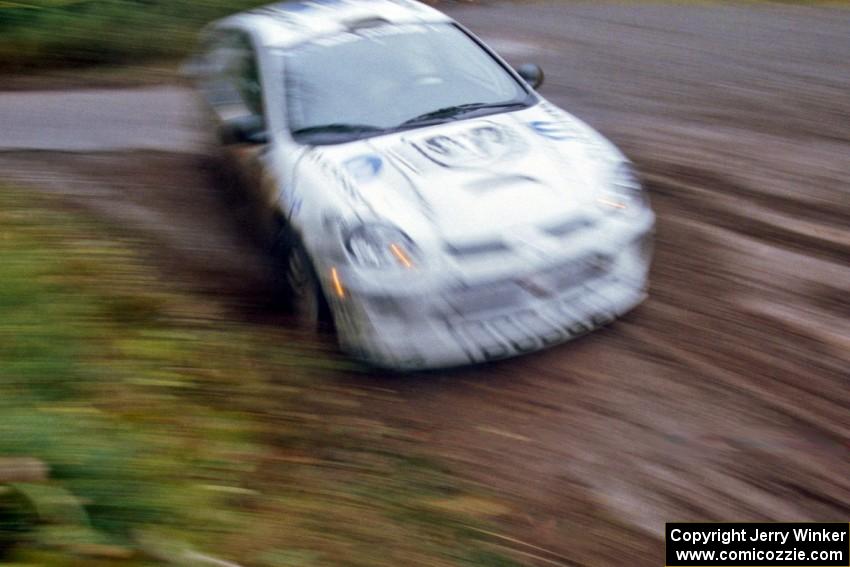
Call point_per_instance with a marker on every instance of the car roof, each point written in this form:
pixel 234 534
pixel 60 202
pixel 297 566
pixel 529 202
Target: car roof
pixel 288 23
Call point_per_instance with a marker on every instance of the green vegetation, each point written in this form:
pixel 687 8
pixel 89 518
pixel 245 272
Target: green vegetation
pixel 51 34
pixel 166 429
pixel 55 33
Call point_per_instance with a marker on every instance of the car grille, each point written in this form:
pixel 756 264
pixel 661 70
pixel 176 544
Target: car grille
pixel 510 292
pixel 484 297
pixel 476 248
pixel 523 328
pixel 568 227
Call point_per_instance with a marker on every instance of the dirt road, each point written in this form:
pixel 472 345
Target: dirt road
pixel 725 397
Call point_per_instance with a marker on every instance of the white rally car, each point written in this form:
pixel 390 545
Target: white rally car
pixel 425 199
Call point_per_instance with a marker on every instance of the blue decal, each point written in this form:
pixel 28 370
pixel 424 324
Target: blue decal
pixel 553 130
pixel 363 168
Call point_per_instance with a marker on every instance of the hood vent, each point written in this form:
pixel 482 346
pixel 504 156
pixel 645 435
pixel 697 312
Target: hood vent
pixel 495 182
pixel 354 25
pixel 477 248
pixel 567 227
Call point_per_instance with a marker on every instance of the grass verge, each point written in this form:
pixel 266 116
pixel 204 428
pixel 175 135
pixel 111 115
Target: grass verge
pixel 171 434
pixel 57 33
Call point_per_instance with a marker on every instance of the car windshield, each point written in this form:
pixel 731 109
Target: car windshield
pixel 392 77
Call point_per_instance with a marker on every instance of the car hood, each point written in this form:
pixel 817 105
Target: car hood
pixel 476 178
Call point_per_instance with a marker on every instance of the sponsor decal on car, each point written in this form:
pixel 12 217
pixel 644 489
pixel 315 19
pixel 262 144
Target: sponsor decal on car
pixel 554 130
pixel 364 168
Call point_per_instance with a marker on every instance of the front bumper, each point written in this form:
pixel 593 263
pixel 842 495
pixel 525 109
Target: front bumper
pixel 452 325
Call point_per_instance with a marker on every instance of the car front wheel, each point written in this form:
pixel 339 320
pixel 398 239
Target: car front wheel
pixel 308 304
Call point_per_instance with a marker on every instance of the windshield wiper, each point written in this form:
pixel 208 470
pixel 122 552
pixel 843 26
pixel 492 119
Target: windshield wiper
pixel 336 128
pixel 335 133
pixel 457 110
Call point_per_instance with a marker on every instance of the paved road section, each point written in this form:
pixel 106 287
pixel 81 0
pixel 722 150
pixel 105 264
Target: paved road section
pixel 163 118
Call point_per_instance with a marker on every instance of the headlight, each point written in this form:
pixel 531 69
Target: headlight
pixel 380 246
pixel 623 192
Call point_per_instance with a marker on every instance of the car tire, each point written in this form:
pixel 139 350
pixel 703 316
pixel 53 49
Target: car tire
pixel 306 300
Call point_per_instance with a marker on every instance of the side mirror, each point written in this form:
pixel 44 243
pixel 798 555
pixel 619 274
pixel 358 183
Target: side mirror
pixel 243 130
pixel 532 73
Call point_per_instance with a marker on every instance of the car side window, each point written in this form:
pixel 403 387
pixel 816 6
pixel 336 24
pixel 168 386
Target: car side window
pixel 246 75
pixel 233 85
